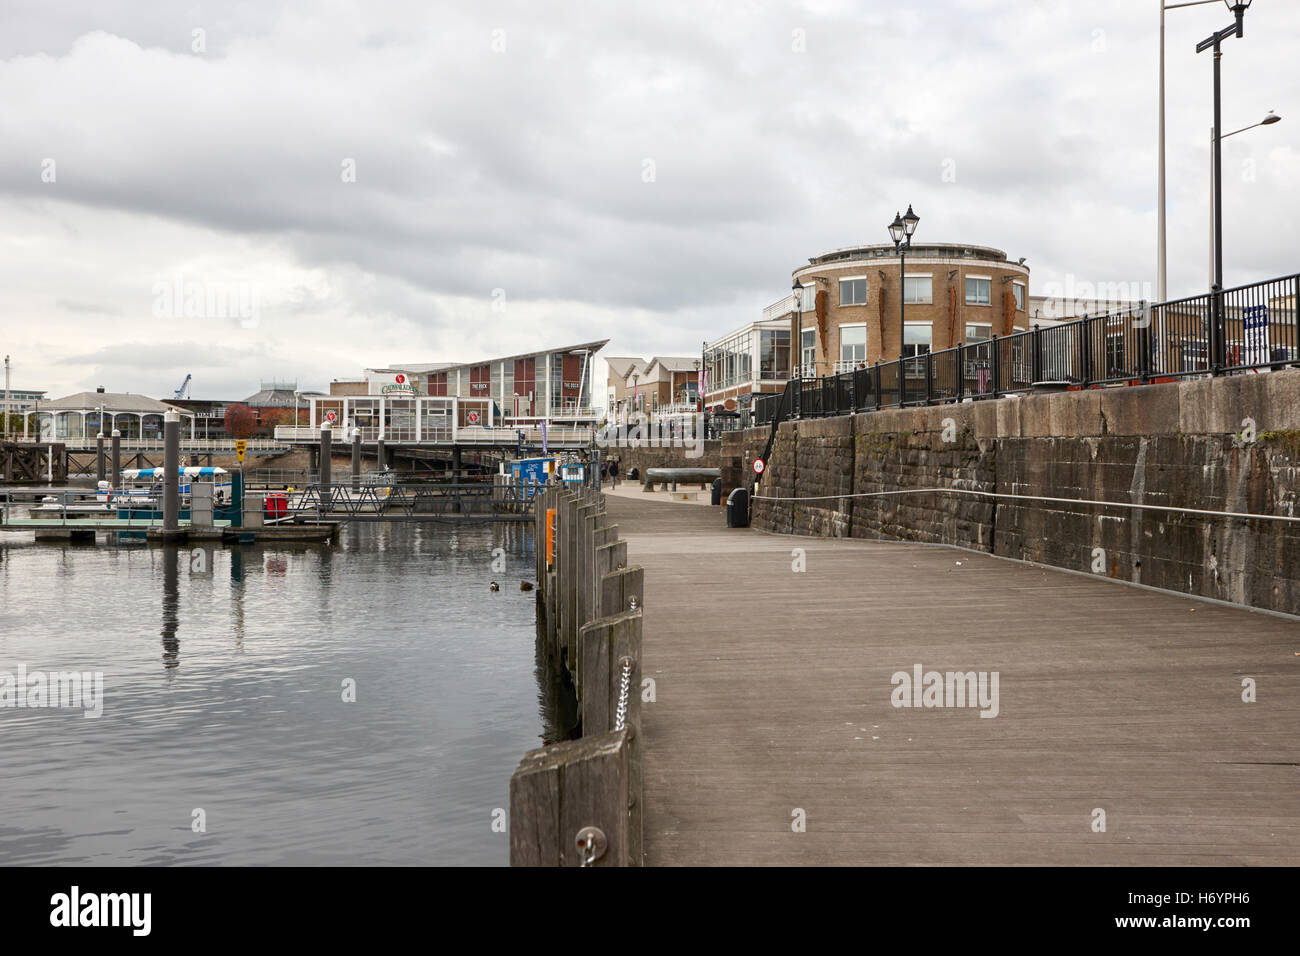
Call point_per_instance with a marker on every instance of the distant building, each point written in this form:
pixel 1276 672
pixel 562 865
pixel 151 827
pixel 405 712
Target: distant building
pixel 750 361
pixel 410 401
pixel 86 414
pixel 21 400
pixel 209 416
pixel 664 385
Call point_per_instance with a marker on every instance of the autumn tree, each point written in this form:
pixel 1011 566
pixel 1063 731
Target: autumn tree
pixel 240 421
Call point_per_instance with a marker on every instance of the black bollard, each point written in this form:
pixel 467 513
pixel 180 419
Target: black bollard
pixel 171 470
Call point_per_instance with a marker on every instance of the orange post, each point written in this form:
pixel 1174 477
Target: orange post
pixel 550 537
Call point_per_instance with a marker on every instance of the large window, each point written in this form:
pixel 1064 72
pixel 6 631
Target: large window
pixel 853 346
pixel 978 291
pixel 853 291
pixel 774 354
pixel 916 338
pixel 809 350
pixel 1019 289
pixel 918 290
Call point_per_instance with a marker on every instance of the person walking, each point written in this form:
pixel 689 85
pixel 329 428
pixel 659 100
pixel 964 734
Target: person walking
pixel 613 473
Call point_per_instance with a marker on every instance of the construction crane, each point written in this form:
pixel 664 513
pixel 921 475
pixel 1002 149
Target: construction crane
pixel 184 390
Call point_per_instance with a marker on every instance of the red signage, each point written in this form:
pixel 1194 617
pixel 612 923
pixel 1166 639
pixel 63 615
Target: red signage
pixel 471 417
pixel 758 466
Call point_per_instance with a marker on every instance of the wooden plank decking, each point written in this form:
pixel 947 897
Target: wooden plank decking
pixel 774 693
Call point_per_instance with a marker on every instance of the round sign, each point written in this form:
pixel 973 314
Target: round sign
pixel 471 417
pixel 400 378
pixel 330 416
pixel 758 466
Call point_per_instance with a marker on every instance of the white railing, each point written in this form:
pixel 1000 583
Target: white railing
pixel 780 308
pixel 444 434
pixel 157 444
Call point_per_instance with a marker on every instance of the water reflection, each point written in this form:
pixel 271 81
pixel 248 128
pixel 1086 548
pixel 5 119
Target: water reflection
pixel 253 728
pixel 171 605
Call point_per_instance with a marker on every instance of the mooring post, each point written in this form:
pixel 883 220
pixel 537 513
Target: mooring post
pixel 117 459
pixel 356 459
pixel 100 465
pixel 327 499
pixel 380 453
pixel 171 470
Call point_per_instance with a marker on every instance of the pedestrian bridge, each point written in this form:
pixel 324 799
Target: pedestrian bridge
pixel 446 436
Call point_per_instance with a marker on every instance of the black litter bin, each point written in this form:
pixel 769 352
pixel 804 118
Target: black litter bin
pixel 716 498
pixel 738 509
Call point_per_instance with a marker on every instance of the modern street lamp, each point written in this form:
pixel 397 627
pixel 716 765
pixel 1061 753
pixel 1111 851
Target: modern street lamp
pixel 796 289
pixel 1218 345
pixel 1268 120
pixel 1161 257
pixel 901 230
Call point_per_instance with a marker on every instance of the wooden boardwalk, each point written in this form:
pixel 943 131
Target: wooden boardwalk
pixel 774 693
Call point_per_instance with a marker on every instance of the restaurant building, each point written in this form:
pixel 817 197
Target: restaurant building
pixel 415 401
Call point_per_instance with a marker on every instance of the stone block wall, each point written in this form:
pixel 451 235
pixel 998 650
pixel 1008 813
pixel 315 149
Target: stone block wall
pixel 1229 444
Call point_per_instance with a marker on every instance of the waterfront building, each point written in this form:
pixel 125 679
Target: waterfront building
pixel 847 314
pixel 415 401
pixel 85 414
pixel 662 387
pixel 750 361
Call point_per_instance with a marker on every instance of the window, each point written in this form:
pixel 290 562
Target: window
pixel 1019 289
pixel 853 346
pixel 807 298
pixel 978 333
pixel 809 358
pixel 916 339
pixel 978 291
pixel 774 354
pixel 918 290
pixel 853 291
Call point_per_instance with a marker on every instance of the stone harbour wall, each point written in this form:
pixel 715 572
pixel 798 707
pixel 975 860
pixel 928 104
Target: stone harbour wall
pixel 1227 444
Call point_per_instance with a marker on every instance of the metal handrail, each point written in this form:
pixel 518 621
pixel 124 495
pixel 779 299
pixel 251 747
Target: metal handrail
pixel 1241 329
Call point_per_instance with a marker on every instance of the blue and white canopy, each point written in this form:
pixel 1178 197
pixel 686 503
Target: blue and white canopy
pixel 190 472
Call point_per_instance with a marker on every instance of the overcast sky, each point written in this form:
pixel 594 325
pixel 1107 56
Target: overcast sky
pixel 354 184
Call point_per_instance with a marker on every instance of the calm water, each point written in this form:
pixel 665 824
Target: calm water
pixel 223 691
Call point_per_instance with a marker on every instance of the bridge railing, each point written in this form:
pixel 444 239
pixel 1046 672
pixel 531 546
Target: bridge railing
pixel 1249 328
pixel 567 435
pixel 362 500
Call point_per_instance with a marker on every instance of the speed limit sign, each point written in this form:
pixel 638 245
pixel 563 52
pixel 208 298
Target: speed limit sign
pixel 758 466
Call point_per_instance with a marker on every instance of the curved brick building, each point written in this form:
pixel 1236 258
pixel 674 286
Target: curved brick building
pixel 953 293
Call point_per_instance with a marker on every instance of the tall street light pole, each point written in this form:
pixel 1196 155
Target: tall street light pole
pixel 1218 343
pixel 797 291
pixel 1161 256
pixel 900 230
pixel 1268 120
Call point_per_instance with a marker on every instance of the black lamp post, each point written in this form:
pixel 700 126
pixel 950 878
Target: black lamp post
pixel 797 353
pixel 900 230
pixel 1218 341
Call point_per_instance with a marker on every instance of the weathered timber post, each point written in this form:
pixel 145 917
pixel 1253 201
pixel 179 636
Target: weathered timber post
pixel 100 465
pixel 611 652
pixel 622 590
pixel 559 792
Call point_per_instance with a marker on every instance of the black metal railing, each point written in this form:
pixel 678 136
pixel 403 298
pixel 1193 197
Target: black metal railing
pixel 1236 330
